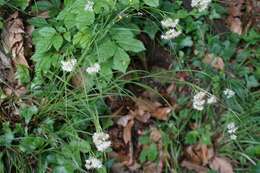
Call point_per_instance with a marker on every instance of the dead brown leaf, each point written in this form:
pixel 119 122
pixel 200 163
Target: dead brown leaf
pixel 12 39
pixel 215 62
pixel 194 167
pixel 150 167
pixel 199 154
pixel 221 165
pixel 235 14
pixel 161 113
pixel 127 134
pixel 155 135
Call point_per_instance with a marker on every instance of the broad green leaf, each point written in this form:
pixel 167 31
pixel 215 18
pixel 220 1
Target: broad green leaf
pixel 63 169
pixel 38 22
pixel 152 154
pixel 22 74
pixel 20 3
pixel 82 38
pixel 27 112
pixel 57 41
pixel 121 60
pixel 121 34
pixel 152 3
pixel 47 32
pixel 8 136
pixel 132 45
pixel 30 143
pixel 84 19
pixel 2 2
pixel 106 50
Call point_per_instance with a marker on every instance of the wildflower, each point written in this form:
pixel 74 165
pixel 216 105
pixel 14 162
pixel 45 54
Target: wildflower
pixel 201 5
pixel 233 137
pixel 231 127
pixel 170 34
pixel 169 23
pixel 232 130
pixel 199 100
pixel 212 99
pixel 69 65
pixel 93 163
pixel 101 140
pixel 89 6
pixel 228 93
pixel 93 69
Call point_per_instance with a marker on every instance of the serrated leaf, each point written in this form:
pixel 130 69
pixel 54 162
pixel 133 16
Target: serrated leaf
pixel 132 45
pixel 152 3
pixel 57 41
pixel 122 34
pixel 27 112
pixel 30 143
pixel 121 60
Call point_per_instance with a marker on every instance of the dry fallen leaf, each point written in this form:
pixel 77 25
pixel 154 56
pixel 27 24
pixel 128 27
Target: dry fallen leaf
pixel 235 14
pixel 215 62
pixel 161 113
pixel 127 133
pixel 221 165
pixel 194 167
pixel 155 135
pixel 12 39
pixel 199 154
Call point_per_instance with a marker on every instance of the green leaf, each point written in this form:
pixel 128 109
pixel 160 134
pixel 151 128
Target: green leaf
pixel 152 154
pixel 57 41
pixel 63 169
pixel 82 38
pixel 22 74
pixel 20 3
pixel 121 60
pixel 132 45
pixel 27 112
pixel 152 3
pixel 106 50
pixel 38 22
pixel 84 19
pixel 47 32
pixel 67 36
pixel 8 136
pixel 31 143
pixel 121 34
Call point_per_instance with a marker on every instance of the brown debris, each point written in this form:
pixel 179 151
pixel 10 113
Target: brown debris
pixel 221 165
pixel 235 14
pixel 215 62
pixel 12 39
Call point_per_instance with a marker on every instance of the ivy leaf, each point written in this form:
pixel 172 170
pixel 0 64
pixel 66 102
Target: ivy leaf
pixel 121 60
pixel 57 41
pixel 132 45
pixel 152 3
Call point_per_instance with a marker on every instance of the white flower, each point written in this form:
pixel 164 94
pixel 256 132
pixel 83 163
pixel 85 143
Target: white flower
pixel 228 93
pixel 101 140
pixel 231 128
pixel 169 23
pixel 201 5
pixel 93 69
pixel 171 34
pixel 89 6
pixel 199 100
pixel 212 99
pixel 93 163
pixel 68 65
pixel 233 137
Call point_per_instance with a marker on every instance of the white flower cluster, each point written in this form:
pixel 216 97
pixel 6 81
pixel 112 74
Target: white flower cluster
pixel 68 65
pixel 101 141
pixel 228 93
pixel 93 69
pixel 171 26
pixel 93 163
pixel 201 98
pixel 89 6
pixel 232 130
pixel 201 5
